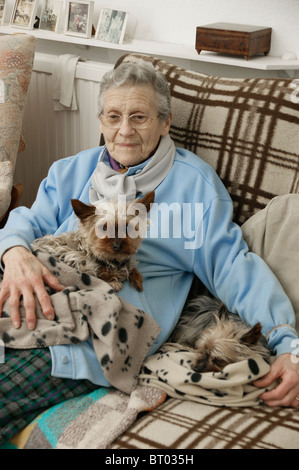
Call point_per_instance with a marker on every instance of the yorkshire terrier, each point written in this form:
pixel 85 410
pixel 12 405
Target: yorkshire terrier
pixel 99 251
pixel 218 337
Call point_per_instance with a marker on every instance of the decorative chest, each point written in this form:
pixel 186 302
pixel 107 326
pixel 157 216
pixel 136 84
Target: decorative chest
pixel 236 39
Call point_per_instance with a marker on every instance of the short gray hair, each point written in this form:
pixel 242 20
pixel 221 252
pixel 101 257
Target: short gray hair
pixel 143 73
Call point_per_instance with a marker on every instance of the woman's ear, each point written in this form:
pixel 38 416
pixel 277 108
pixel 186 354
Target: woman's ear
pixel 166 125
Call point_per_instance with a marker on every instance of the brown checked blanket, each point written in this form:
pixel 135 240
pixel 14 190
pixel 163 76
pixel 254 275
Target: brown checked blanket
pixel 121 333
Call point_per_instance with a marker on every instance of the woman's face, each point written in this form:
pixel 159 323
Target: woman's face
pixel 127 145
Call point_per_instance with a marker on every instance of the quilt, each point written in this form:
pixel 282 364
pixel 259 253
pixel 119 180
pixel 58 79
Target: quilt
pixel 91 421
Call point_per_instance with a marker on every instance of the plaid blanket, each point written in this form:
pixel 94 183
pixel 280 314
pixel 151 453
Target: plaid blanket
pixel 184 424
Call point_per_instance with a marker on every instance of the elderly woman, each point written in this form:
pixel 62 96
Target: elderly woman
pixel 139 155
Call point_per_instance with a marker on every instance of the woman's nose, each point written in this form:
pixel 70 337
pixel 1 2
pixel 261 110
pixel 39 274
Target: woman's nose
pixel 126 127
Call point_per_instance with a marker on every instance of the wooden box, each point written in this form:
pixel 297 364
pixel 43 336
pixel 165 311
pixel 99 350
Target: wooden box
pixel 236 39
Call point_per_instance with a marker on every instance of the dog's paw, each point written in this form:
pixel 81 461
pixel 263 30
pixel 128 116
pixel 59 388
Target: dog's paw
pixel 116 285
pixel 136 280
pixel 137 285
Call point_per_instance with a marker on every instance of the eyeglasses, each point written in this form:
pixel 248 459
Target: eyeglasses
pixel 137 120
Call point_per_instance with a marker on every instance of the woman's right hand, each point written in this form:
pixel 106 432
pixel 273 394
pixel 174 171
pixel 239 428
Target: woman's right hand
pixel 24 275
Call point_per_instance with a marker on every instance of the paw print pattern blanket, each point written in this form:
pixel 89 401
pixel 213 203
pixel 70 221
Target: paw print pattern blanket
pixel 121 333
pixel 170 370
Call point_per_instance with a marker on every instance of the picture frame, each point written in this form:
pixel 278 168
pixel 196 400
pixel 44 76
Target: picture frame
pixel 2 11
pixel 23 15
pixel 111 26
pixel 50 15
pixel 78 21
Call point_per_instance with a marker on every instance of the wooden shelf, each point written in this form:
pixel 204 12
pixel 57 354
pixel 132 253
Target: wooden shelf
pixel 165 50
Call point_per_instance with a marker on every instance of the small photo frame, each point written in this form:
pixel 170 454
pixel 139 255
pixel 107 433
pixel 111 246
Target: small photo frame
pixel 112 26
pixel 2 11
pixel 23 15
pixel 49 16
pixel 78 21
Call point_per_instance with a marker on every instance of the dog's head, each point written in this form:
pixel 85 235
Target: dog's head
pixel 115 227
pixel 226 343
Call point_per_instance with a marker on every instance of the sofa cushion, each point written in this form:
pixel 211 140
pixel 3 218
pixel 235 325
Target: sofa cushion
pixel 272 233
pixel 247 129
pixel 16 59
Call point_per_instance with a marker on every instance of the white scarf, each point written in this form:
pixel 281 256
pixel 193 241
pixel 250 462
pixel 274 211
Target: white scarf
pixel 107 183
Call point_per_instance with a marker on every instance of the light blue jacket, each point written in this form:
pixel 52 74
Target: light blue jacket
pixel 221 258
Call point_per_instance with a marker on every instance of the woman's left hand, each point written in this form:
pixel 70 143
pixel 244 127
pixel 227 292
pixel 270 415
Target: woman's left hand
pixel 286 371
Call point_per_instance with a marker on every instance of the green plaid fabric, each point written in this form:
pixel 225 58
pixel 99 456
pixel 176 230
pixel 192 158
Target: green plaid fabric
pixel 27 389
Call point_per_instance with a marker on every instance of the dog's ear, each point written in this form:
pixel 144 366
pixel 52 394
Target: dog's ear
pixel 147 200
pixel 83 211
pixel 223 312
pixel 253 335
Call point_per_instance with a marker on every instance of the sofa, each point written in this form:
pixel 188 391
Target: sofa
pixel 248 130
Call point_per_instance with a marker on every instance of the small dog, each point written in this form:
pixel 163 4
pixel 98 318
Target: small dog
pixel 219 337
pixel 94 250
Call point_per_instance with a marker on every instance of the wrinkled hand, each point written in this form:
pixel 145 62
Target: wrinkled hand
pixel 24 275
pixel 286 372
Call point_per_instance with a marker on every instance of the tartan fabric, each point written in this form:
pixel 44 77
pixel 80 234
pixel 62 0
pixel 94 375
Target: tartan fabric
pixel 246 129
pixel 27 388
pixel 182 424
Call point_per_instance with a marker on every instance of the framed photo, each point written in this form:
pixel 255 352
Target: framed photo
pixel 23 15
pixel 49 16
pixel 2 11
pixel 78 20
pixel 112 26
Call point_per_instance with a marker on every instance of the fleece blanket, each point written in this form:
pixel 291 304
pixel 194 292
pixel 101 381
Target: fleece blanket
pixel 171 370
pixel 121 333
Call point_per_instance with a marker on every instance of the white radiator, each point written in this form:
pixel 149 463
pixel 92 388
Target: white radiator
pixel 51 135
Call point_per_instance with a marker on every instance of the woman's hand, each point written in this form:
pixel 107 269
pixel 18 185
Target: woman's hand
pixel 285 369
pixel 25 275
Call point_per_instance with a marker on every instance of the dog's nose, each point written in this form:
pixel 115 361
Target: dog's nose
pixel 200 366
pixel 116 245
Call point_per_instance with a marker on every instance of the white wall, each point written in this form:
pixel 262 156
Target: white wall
pixel 175 21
